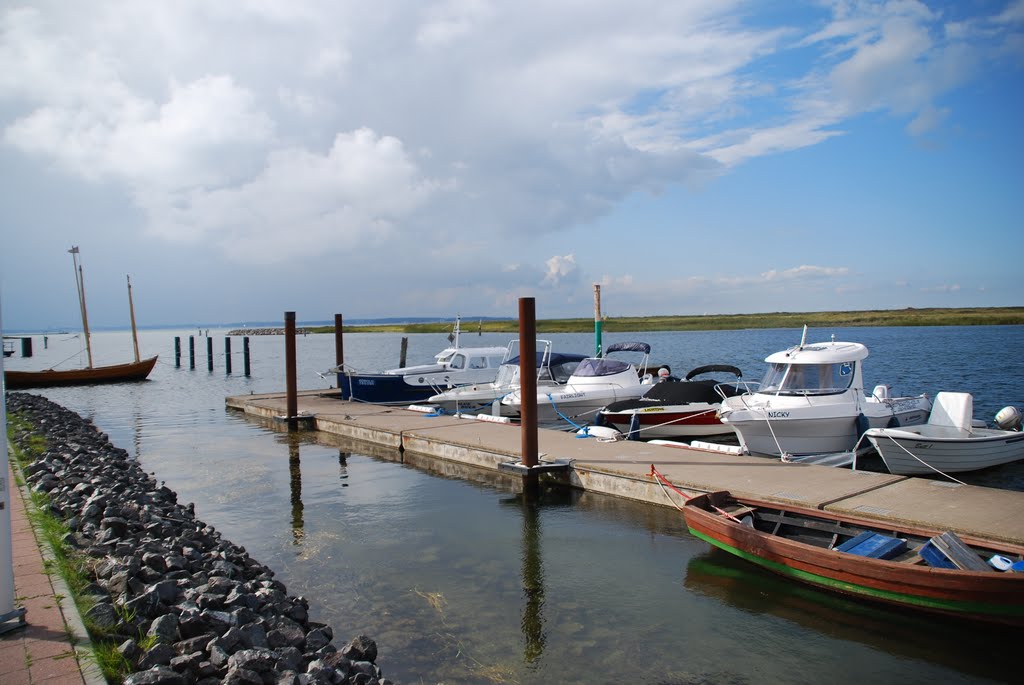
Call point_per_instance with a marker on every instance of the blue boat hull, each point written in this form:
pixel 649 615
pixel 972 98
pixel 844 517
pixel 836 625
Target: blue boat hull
pixel 382 388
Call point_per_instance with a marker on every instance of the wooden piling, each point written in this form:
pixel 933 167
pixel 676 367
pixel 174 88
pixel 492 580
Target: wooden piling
pixel 227 354
pixel 177 351
pixel 402 353
pixel 245 355
pixel 290 375
pixel 209 353
pixel 191 352
pixel 339 343
pixel 528 389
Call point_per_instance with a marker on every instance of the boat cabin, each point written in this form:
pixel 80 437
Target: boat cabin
pixel 821 369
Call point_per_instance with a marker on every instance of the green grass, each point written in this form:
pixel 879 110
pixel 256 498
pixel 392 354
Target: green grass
pixel 975 316
pixel 75 569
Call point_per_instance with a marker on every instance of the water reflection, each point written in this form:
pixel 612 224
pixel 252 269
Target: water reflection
pixel 295 473
pixel 984 650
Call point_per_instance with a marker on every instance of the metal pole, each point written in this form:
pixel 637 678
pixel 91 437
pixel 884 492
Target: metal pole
pixel 227 354
pixel 597 319
pixel 289 364
pixel 8 612
pixel 528 388
pixel 245 355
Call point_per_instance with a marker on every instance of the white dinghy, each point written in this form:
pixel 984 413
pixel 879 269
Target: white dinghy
pixel 949 442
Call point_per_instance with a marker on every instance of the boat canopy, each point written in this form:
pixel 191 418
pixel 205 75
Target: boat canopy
pixel 592 367
pixel 714 368
pixel 820 353
pixel 554 358
pixel 629 347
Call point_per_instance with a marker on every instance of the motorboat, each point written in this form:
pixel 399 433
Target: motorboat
pixel 950 442
pixel 811 405
pixel 452 367
pixel 676 409
pixel 596 382
pixel 553 370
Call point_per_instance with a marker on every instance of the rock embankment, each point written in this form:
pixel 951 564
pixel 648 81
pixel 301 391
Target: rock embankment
pixel 185 605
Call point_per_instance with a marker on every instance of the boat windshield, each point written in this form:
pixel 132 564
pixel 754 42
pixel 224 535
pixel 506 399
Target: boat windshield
pixel 560 372
pixel 508 375
pixel 592 366
pixel 808 379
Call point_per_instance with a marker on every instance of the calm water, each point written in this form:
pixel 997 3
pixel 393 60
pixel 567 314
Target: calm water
pixel 460 581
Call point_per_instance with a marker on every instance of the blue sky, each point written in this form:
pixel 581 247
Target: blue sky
pixel 441 158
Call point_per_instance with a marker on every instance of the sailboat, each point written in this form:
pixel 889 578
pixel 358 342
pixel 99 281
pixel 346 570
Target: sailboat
pixel 137 370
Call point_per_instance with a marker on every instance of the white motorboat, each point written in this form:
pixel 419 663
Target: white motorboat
pixel 553 370
pixel 950 442
pixel 452 366
pixel 811 405
pixel 676 409
pixel 596 382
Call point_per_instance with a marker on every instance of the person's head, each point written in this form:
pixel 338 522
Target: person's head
pixel 664 372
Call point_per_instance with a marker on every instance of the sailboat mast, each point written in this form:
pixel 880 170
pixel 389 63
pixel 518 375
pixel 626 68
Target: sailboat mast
pixel 80 284
pixel 131 310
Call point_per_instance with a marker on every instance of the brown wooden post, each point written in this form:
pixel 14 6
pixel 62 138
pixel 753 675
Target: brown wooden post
pixel 339 343
pixel 289 366
pixel 402 353
pixel 528 388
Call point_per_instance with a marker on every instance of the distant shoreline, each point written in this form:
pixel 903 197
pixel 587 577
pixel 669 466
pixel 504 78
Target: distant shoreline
pixel 974 316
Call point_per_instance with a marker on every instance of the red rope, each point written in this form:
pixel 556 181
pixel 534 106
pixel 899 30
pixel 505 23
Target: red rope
pixel 661 478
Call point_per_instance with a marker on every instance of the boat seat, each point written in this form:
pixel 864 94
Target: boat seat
pixel 952 409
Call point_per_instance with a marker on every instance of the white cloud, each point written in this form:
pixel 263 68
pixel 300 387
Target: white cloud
pixel 559 268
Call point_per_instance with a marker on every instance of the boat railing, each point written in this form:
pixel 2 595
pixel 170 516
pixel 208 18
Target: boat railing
pixel 749 388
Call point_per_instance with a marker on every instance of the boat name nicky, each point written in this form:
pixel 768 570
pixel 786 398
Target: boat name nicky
pixel 778 415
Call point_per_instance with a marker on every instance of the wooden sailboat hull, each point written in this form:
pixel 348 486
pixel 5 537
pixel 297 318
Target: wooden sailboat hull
pixel 114 373
pixel 987 595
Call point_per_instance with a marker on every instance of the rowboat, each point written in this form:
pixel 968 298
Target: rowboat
pixel 918 568
pixel 137 370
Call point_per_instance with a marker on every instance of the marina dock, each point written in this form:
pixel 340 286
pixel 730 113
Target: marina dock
pixel 623 468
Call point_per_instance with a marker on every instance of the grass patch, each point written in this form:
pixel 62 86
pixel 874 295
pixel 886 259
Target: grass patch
pixel 967 316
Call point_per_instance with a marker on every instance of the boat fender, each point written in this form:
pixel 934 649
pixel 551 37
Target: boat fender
pixel 862 424
pixel 600 432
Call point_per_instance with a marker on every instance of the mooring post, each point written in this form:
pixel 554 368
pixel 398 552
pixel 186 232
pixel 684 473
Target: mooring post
pixel 339 343
pixel 289 370
pixel 26 347
pixel 209 353
pixel 402 353
pixel 227 354
pixel 177 351
pixel 597 319
pixel 528 389
pixel 245 355
pixel 191 352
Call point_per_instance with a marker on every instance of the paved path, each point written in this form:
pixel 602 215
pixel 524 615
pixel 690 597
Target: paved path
pixel 44 651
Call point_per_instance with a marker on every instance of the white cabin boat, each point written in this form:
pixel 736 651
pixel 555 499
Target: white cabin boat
pixel 596 382
pixel 553 370
pixel 811 402
pixel 949 442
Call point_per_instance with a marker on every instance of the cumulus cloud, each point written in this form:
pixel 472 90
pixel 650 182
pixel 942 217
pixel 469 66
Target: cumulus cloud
pixel 559 269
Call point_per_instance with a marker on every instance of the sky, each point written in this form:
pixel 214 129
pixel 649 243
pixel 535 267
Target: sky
pixel 386 159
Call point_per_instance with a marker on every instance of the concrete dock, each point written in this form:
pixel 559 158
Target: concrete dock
pixel 623 468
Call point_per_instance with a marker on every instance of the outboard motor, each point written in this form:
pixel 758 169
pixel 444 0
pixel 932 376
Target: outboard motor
pixel 1008 419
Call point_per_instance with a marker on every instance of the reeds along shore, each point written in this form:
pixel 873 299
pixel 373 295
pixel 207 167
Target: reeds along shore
pixel 975 316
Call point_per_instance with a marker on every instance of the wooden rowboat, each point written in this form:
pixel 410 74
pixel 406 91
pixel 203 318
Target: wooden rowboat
pixel 913 567
pixel 115 373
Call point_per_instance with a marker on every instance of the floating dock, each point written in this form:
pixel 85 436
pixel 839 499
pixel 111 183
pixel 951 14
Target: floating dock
pixel 623 468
